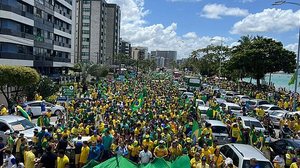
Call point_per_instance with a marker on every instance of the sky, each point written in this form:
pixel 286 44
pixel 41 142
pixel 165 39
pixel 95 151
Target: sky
pixel 187 25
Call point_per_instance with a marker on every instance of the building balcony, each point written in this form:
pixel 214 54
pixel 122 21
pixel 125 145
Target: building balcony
pixel 20 56
pixel 17 34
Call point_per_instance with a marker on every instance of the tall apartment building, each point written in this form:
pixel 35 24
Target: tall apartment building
pixel 169 57
pixel 125 48
pixel 97 31
pixel 140 53
pixel 37 34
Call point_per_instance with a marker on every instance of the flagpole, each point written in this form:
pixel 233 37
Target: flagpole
pixel 280 2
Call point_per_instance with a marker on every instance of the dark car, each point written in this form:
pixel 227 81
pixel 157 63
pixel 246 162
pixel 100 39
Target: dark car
pixel 281 146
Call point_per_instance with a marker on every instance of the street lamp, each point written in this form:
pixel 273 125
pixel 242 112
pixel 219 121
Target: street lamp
pixel 220 63
pixel 298 55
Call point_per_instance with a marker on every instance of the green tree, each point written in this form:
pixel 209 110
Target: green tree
pixel 83 69
pixel 258 56
pixel 98 71
pixel 45 87
pixel 18 77
pixel 208 61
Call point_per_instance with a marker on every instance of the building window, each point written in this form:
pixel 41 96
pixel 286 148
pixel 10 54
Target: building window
pixel 85 24
pixel 85 46
pixel 86 17
pixel 85 32
pixel 84 54
pixel 38 12
pixel 86 2
pixel 86 9
pixel 86 39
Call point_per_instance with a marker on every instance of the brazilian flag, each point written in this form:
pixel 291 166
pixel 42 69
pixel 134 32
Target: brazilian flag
pixel 24 113
pixel 138 104
pixel 196 131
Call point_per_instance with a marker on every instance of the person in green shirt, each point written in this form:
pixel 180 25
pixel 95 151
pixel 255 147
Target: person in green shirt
pixel 107 140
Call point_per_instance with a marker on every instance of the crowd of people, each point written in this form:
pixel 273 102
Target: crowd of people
pixel 140 119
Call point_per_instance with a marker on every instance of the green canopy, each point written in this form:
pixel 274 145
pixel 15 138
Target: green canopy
pixel 119 162
pixel 91 164
pixel 181 162
pixel 157 163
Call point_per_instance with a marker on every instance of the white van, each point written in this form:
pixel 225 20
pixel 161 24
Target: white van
pixel 219 130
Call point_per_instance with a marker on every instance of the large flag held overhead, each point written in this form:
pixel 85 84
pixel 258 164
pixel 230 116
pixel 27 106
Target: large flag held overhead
pixel 138 104
pixel 24 113
pixel 196 131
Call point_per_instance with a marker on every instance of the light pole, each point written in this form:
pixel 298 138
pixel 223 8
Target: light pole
pixel 220 63
pixel 298 54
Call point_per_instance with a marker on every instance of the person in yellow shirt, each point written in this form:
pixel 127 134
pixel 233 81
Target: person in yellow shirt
pixel 196 160
pixel 134 150
pixel 4 110
pixel 147 142
pixel 62 160
pixel 289 156
pixel 85 150
pixel 160 151
pixel 296 164
pixel 203 163
pixel 213 147
pixel 218 159
pixel 29 157
pixel 75 130
pixel 206 152
pixel 207 130
pixel 175 150
pixel 234 132
pixel 94 138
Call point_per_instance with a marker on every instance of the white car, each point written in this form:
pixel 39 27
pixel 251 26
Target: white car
pixel 36 108
pixel 189 95
pixel 234 108
pixel 268 108
pixel 12 123
pixel 242 98
pixel 276 116
pixel 241 154
pixel 229 95
pixel 247 122
pixel 219 131
pixel 202 107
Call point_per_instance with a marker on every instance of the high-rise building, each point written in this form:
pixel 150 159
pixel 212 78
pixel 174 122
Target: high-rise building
pixel 97 31
pixel 91 31
pixel 37 34
pixel 113 32
pixel 169 57
pixel 125 48
pixel 140 53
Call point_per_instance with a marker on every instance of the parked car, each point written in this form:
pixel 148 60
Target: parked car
pixel 281 146
pixel 219 130
pixel 242 153
pixel 228 95
pixel 241 98
pixel 200 102
pixel 234 108
pixel 248 121
pixel 14 123
pixel 189 95
pixel 270 108
pixel 36 108
pixel 291 114
pixel 276 116
pixel 253 103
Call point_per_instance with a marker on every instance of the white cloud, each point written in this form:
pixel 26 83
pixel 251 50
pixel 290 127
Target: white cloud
pixel 269 20
pixel 292 47
pixel 216 11
pixel 156 36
